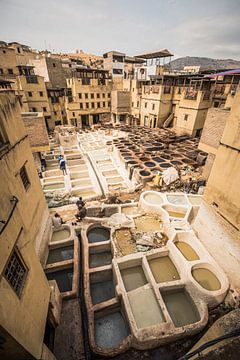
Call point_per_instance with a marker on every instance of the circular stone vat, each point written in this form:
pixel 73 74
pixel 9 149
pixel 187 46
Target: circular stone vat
pixel 166 157
pixel 144 158
pixel 61 234
pixel 176 162
pixel 206 278
pixel 149 164
pixel 98 234
pixel 153 198
pixel 165 165
pixel 144 173
pixel 187 251
pixel 158 159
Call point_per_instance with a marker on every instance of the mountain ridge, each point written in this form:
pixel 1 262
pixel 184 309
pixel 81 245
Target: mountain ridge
pixel 205 63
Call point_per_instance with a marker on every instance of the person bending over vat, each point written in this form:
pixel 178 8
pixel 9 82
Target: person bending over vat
pixel 80 203
pixel 82 212
pixel 57 221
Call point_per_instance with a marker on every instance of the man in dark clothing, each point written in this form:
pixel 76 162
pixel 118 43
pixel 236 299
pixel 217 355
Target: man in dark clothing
pixel 81 214
pixel 80 203
pixel 62 165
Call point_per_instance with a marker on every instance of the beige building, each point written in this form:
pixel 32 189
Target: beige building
pixel 223 184
pixel 24 232
pixel 88 97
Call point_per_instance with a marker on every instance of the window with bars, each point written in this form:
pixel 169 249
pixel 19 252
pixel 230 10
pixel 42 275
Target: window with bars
pixel 16 273
pixel 24 177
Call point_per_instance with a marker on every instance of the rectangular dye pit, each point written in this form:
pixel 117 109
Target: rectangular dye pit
pixel 102 286
pixel 54 186
pixel 63 278
pixel 60 254
pixel 110 329
pixel 99 257
pixel 181 307
pixel 133 277
pixel 145 308
pixel 163 269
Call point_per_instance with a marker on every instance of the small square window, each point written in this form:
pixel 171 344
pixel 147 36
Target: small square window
pixel 186 117
pixel 81 105
pixel 29 93
pixel 55 113
pixel 86 96
pixel 109 95
pixel 44 109
pixel 41 93
pixel 16 273
pixel 80 96
pixel 34 109
pixel 54 65
pixel 103 95
pixel 98 104
pixel 73 114
pixel 98 95
pixel 104 104
pixel 24 177
pixel 92 96
pixel 109 104
pixel 10 71
pixel 92 105
pixel 153 106
pixel 87 105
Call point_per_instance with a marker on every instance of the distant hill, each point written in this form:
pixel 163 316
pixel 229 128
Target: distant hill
pixel 204 63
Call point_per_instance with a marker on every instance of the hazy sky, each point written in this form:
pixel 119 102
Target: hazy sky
pixel 208 28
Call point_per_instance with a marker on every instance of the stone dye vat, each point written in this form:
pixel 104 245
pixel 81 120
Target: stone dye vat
pixel 98 234
pixel 102 286
pixel 153 198
pixel 206 278
pixel 61 234
pixel 163 269
pixel 181 307
pixel 99 257
pixel 110 329
pixel 145 308
pixel 60 254
pixel 187 251
pixel 177 199
pixel 64 278
pixel 133 277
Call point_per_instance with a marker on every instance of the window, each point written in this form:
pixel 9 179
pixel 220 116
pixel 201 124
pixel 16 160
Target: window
pixel 55 113
pixel 92 96
pixel 132 104
pixel 109 104
pixel 109 94
pixel 186 117
pixel 24 177
pixel 137 103
pixel 133 89
pixel 92 105
pixel 19 51
pixel 44 109
pixel 80 96
pixel 73 114
pixel 145 105
pixel 4 51
pixel 30 93
pixel 117 71
pixel 104 104
pixel 1 71
pixel 98 95
pixel 86 96
pixel 153 106
pixel 103 95
pixel 34 109
pixel 16 273
pixel 98 104
pixel 87 105
pixel 10 71
pixel 54 65
pixel 81 105
pixel 41 93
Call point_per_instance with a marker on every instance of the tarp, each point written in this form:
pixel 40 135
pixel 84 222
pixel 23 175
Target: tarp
pixel 223 73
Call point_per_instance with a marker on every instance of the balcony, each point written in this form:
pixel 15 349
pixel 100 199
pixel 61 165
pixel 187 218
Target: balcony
pixel 32 79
